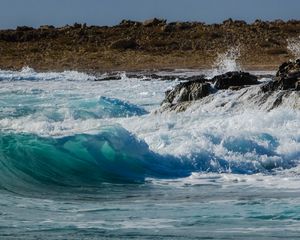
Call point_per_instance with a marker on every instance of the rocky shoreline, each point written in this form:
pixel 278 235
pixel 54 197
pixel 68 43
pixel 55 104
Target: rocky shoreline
pixel 153 44
pixel 286 82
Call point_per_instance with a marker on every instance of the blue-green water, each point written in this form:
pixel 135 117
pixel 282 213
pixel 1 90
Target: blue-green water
pixel 81 159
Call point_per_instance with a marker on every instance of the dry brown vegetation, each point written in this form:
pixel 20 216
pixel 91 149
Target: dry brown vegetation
pixel 153 44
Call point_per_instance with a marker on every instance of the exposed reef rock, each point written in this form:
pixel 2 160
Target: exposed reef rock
pixel 234 80
pixel 287 77
pixel 266 95
pixel 186 92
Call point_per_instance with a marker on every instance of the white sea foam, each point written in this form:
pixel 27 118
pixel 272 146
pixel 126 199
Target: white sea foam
pixel 283 180
pixel 226 62
pixel 28 73
pixel 228 126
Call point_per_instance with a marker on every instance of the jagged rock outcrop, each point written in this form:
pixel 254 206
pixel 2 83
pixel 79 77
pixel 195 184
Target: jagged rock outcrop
pixel 234 80
pixel 185 93
pixel 287 77
pixel 267 95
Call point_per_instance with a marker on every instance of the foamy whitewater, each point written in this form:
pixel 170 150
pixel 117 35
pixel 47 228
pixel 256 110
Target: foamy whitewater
pixel 83 159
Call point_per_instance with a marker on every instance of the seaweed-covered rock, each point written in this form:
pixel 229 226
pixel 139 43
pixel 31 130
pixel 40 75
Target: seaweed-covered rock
pixel 234 79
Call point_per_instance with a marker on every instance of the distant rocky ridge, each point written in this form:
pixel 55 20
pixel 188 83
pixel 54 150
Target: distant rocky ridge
pixel 286 81
pixel 153 44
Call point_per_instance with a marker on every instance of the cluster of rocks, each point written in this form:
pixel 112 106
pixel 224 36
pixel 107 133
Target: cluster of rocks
pixel 182 95
pixel 147 76
pixel 287 77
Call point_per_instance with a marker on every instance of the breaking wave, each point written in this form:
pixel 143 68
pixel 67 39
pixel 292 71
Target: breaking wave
pixel 114 155
pixel 100 138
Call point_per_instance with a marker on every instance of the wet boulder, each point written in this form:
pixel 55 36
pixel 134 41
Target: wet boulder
pixel 186 92
pixel 234 80
pixel 288 75
pixel 287 78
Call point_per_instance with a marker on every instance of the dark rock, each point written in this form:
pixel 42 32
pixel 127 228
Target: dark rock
pixel 134 75
pixel 186 92
pixel 278 101
pixel 154 22
pixel 77 25
pixel 129 23
pixel 199 78
pixel 235 88
pixel 269 86
pixel 124 44
pixel 297 86
pixel 288 75
pixel 234 79
pixel 162 77
pixel 109 78
pixel 155 76
pixel 24 28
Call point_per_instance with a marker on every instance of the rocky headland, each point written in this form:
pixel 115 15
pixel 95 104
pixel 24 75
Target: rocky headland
pixel 153 44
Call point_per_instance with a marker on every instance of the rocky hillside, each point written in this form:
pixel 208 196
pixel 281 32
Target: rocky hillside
pixel 153 44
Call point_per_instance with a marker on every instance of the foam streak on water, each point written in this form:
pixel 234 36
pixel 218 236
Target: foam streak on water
pixel 81 159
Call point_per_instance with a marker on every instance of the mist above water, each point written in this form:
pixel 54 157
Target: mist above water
pixel 226 62
pixel 293 45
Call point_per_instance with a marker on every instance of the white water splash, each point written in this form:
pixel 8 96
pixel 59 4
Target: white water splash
pixel 227 62
pixel 30 74
pixel 230 125
pixel 293 45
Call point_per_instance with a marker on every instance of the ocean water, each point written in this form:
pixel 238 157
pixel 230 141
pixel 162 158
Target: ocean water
pixel 81 159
